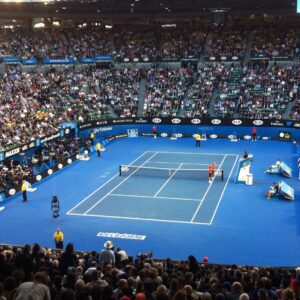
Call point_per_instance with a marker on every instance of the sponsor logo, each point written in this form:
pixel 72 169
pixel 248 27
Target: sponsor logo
pixel 85 125
pixel 104 129
pixel 176 121
pixel 117 235
pixel 247 137
pixel 279 124
pixel 51 137
pixel 140 120
pixel 164 134
pixel 12 152
pixel 120 121
pixel 196 121
pixel 297 125
pixel 213 136
pixel 216 121
pixel 258 122
pixel 147 134
pixel 67 131
pixel 265 138
pixel 12 192
pixel 179 135
pixel 111 138
pixel 101 122
pixel 237 122
pixel 156 120
pixel 24 148
pixel 119 136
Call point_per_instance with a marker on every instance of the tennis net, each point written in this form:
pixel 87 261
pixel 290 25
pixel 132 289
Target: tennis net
pixel 129 170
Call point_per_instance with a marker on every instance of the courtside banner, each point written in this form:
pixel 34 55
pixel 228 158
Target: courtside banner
pixel 191 121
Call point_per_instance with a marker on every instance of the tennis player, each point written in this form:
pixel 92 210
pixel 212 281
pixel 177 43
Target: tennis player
pixel 210 174
pixel 213 166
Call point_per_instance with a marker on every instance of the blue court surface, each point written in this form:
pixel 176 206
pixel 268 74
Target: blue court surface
pixel 163 202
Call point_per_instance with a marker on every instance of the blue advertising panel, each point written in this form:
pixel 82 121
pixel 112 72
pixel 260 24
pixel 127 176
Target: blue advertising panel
pixel 86 60
pixel 103 58
pixel 59 60
pixel 11 59
pixel 29 61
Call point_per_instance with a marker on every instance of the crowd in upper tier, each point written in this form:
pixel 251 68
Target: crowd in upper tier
pixel 32 272
pixel 157 42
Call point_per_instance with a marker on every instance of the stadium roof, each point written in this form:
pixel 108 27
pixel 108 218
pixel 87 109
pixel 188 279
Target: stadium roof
pixel 134 7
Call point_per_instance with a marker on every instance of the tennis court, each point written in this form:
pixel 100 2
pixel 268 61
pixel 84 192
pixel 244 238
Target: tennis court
pixel 162 186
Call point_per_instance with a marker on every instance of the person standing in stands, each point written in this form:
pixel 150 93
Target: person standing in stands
pixel 254 134
pixel 92 136
pixel 107 255
pixel 59 239
pixel 198 139
pixel 98 148
pixel 24 190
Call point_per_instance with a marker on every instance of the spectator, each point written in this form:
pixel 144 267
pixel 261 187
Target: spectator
pixel 107 255
pixel 68 258
pixel 37 289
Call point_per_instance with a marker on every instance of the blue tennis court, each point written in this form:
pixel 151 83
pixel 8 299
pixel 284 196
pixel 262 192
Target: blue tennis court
pixel 162 186
pixel 173 215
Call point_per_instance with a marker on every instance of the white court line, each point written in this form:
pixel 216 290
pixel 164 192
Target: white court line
pixel 213 216
pixel 159 197
pixel 166 152
pixel 210 185
pixel 104 184
pixel 140 219
pixel 118 184
pixel 159 190
pixel 172 162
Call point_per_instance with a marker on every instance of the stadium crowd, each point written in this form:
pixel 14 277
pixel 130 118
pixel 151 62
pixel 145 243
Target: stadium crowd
pixel 165 91
pixel 227 44
pixel 33 272
pixel 276 42
pixel 254 91
pixel 33 103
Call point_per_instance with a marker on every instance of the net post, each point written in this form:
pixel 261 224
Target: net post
pixel 120 170
pixel 222 172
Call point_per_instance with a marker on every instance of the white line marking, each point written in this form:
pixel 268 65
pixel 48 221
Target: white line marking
pixel 184 153
pixel 210 185
pixel 104 184
pixel 213 216
pixel 159 197
pixel 118 184
pixel 159 190
pixel 140 219
pixel 177 163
